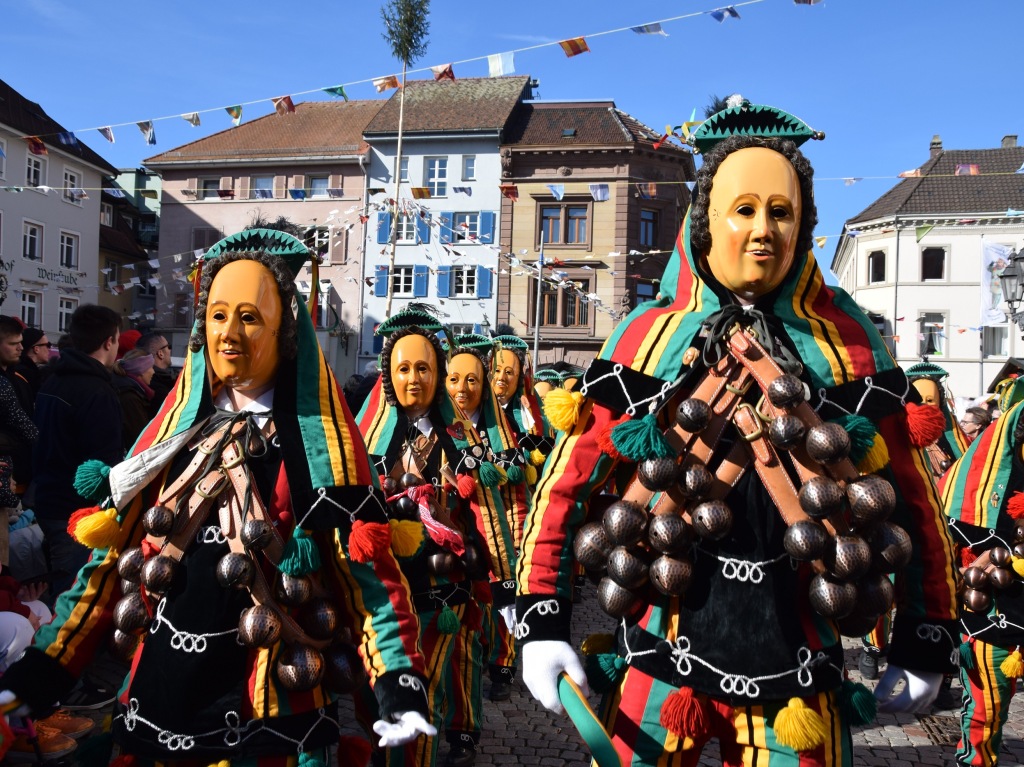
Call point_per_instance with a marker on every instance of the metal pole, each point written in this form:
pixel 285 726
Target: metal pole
pixel 536 317
pixel 393 239
pixel 896 290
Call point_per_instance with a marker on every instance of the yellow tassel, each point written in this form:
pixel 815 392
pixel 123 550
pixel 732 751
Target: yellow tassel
pixel 99 530
pixel 406 536
pixel 876 458
pixel 1013 666
pixel 221 763
pixel 537 458
pixel 1018 565
pixel 597 644
pixel 799 727
pixel 562 408
pixel 530 472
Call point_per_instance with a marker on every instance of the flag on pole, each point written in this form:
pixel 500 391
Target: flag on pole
pixel 385 83
pixel 283 105
pixel 721 14
pixel 915 173
pixel 192 118
pixel 146 126
pixel 967 169
pixel 574 46
pixel 499 64
pixel 443 72
pixel 650 29
pixel 107 133
pixel 236 114
pixel 36 146
pixel 337 90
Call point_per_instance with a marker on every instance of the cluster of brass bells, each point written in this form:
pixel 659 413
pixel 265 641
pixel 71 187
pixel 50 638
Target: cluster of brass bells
pixel 978 585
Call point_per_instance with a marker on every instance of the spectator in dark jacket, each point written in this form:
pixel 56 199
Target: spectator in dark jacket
pixel 79 418
pixel 132 374
pixel 163 374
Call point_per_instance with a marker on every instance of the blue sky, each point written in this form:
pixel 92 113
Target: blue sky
pixel 879 77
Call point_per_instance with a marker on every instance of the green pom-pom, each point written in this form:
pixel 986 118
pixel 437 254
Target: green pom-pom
pixel 515 474
pixel 640 439
pixel 91 480
pixel 862 434
pixel 300 556
pixel 448 621
pixel 313 758
pixel 858 703
pixel 604 671
pixel 966 657
pixel 491 475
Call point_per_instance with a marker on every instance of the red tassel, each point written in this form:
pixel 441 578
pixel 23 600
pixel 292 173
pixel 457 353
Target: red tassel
pixel 967 557
pixel 78 516
pixel 124 760
pixel 1015 508
pixel 604 439
pixel 368 541
pixel 925 422
pixel 684 714
pixel 354 751
pixel 467 486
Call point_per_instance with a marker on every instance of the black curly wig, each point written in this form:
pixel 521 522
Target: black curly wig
pixel 385 363
pixel 700 235
pixel 287 337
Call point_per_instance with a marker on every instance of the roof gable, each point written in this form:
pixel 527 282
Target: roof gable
pixel 593 123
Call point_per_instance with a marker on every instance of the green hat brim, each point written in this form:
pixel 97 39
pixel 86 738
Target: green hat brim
pixel 751 120
pixel 276 243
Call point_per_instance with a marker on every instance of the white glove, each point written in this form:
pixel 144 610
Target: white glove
pixel 409 726
pixel 508 614
pixel 917 696
pixel 9 700
pixel 543 661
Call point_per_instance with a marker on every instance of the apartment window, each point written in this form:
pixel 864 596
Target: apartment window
pixel 209 188
pixel 69 250
pixel 145 273
pixel 996 341
pixel 65 308
pixel 436 176
pixel 31 308
pixel 933 264
pixel 261 187
pixel 469 167
pixel 3 159
pixel 644 292
pixel 565 308
pixel 401 282
pixel 465 226
pixel 566 224
pixel 106 214
pixel 72 180
pixel 32 241
pixel 318 186
pixel 462 330
pixel 406 234
pixel 876 266
pixel 403 170
pixel 204 236
pixel 35 171
pixel 576 310
pixel 463 282
pixel 932 333
pixel 112 274
pixel 648 228
pixel 182 310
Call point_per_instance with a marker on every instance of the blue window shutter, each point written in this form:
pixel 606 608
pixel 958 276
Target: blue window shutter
pixel 383 228
pixel 378 342
pixel 419 281
pixel 380 284
pixel 483 282
pixel 444 281
pixel 486 226
pixel 423 229
pixel 447 220
pixel 478 328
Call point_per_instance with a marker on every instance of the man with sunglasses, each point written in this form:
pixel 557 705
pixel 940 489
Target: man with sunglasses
pixel 163 375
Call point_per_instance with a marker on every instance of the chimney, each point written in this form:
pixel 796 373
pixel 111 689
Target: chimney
pixel 1009 142
pixel 936 146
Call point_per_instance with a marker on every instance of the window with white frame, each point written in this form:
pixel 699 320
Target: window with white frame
pixel 996 341
pixel 146 273
pixel 932 334
pixel 35 171
pixel 261 188
pixel 111 274
pixel 436 175
pixel 209 188
pixel 461 330
pixel 32 241
pixel 69 250
pixel 876 266
pixel 401 282
pixel 465 226
pixel 65 309
pixel 463 282
pixel 469 167
pixel 31 308
pixel 406 233
pixel 933 264
pixel 403 170
pixel 3 158
pixel 318 186
pixel 72 181
pixel 106 214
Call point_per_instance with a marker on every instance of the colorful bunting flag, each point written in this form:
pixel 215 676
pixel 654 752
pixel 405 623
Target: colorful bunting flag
pixel 264 194
pixel 690 185
pixel 511 191
pixel 117 193
pixel 148 193
pixel 3 154
pixel 853 233
pixel 337 90
pixel 921 231
pixel 1013 212
pixel 967 169
pixel 421 192
pixel 78 194
pixel 146 126
pixel 915 173
pixel 1020 169
pixel 283 105
pixel 599 192
pixel 236 114
pixel 806 2
pixel 466 190
pixel 852 181
pixel 647 189
pixel 574 46
pixel 385 83
pixel 334 191
pixel 107 133
pixel 499 64
pixel 558 190
pixel 443 72
pixel 67 138
pixel 297 194
pixel 721 14
pixel 820 241
pixel 36 146
pixel 226 194
pixel 650 29
pixel 192 118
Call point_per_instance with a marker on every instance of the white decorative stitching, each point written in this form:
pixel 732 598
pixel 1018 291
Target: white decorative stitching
pixel 653 402
pixel 184 641
pixel 545 607
pixel 745 571
pixel 211 534
pixel 322 496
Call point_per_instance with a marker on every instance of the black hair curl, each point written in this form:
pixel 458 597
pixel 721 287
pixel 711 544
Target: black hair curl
pixel 385 362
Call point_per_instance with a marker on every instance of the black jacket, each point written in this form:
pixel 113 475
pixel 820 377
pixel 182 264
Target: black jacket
pixel 162 383
pixel 79 417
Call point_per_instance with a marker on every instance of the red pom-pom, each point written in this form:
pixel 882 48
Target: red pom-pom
pixel 368 541
pixel 354 751
pixel 1015 507
pixel 604 439
pixel 78 516
pixel 925 422
pixel 467 486
pixel 684 714
pixel 967 557
pixel 124 760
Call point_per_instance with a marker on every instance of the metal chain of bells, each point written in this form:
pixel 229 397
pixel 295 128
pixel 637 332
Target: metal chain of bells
pixel 979 584
pixel 631 550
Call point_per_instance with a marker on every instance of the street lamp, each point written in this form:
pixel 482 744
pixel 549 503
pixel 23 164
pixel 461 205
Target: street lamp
pixel 1011 282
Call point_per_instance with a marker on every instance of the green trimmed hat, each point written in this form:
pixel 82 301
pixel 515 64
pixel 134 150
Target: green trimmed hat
pixel 748 119
pixel 408 318
pixel 512 342
pixel 926 370
pixel 475 341
pixel 547 375
pixel 276 243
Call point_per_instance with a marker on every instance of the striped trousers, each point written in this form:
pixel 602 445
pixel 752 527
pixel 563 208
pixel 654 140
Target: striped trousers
pixel 986 704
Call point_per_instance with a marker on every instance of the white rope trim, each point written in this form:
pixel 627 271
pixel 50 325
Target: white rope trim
pixel 184 641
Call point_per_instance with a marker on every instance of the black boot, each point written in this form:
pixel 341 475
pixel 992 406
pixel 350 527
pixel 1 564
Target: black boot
pixel 869 663
pixel 461 755
pixel 501 683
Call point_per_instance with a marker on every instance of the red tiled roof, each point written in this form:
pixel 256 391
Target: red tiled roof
pixel 594 123
pixel 315 129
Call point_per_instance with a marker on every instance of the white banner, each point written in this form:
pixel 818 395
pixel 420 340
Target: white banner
pixel 994 258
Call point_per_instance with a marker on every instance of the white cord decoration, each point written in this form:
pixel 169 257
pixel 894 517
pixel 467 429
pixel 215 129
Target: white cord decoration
pixel 653 402
pixel 546 607
pixel 184 641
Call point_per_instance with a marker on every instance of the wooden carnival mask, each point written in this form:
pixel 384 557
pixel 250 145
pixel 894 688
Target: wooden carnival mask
pixel 466 381
pixel 507 370
pixel 414 374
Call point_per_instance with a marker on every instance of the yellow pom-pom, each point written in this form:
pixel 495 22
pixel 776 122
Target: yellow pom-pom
pixel 1017 563
pixel 99 530
pixel 1013 666
pixel 799 727
pixel 596 644
pixel 876 458
pixel 537 458
pixel 406 536
pixel 562 408
pixel 530 473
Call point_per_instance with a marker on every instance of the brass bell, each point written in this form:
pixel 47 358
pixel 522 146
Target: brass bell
pixel 405 508
pixel 832 598
pixel 343 668
pixel 627 568
pixel 256 534
pixel 1018 532
pixel 786 431
pixel 441 562
pixel 130 614
pixel 615 600
pixel 293 590
pixel 786 392
pixel 158 521
pixel 872 499
pixel 821 497
pixel 300 668
pixel 1001 578
pixel 711 519
pixel 875 594
pixel 591 546
pixel 657 474
pixel 695 481
pixel 235 571
pixel 158 574
pixel 1018 549
pixel 669 533
pixel 806 540
pixel 625 522
pixel 129 587
pixel 977 601
pixel 671 575
pixel 259 626
pixel 319 619
pixel 849 557
pixel 999 556
pixel 410 480
pixel 891 547
pixel 390 486
pixel 827 443
pixel 977 578
pixel 129 564
pixel 124 645
pixel 693 415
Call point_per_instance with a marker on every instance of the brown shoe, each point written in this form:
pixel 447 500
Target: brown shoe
pixel 52 744
pixel 66 723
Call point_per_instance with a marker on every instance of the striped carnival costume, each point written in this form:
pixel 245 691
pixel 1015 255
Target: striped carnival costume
pixel 776 486
pixel 450 534
pixel 239 565
pixel 982 496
